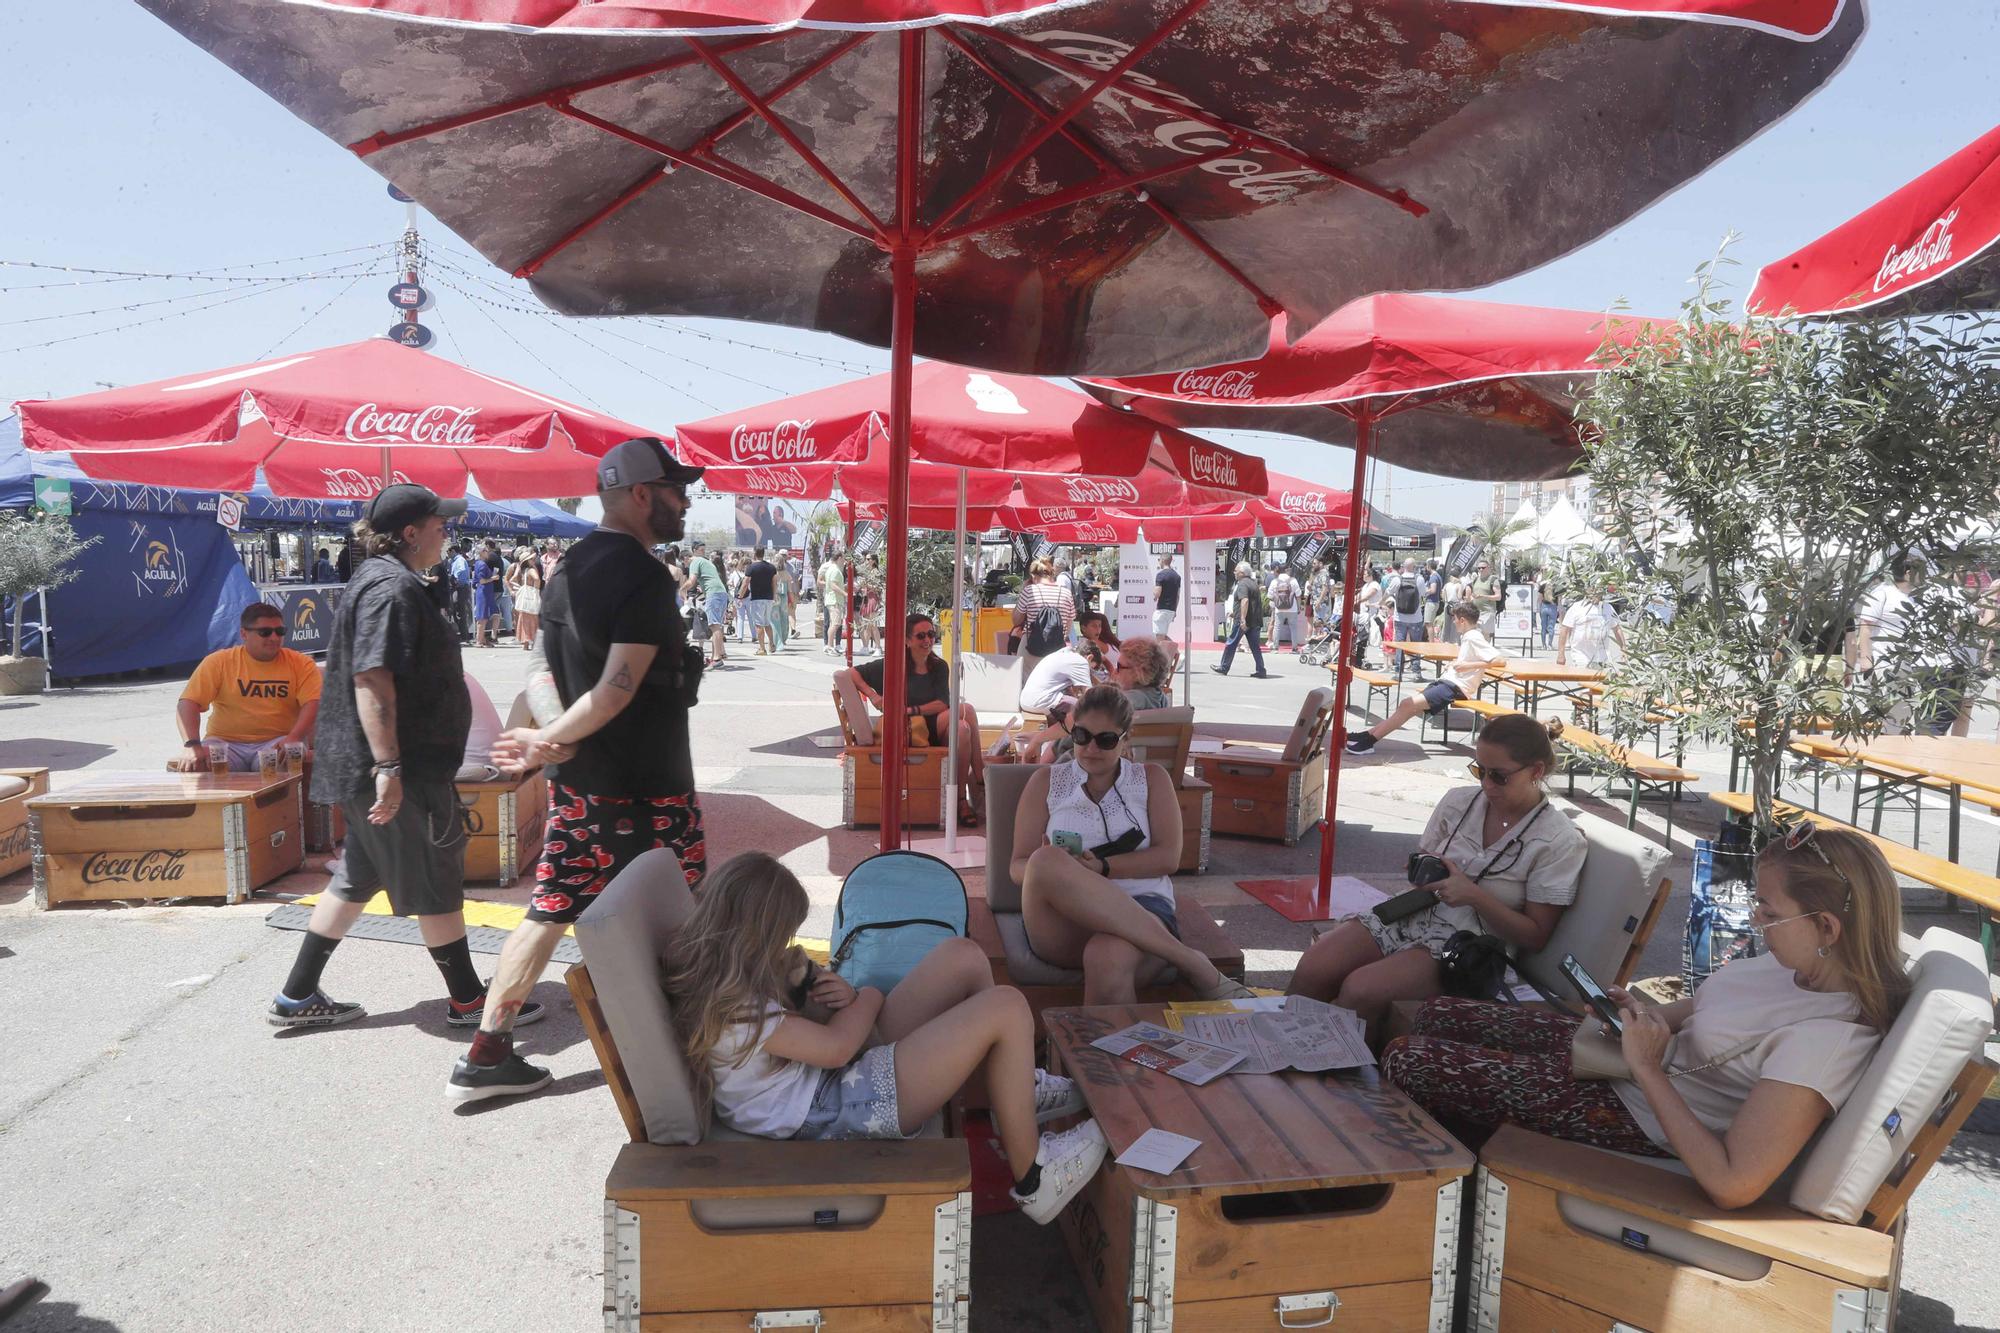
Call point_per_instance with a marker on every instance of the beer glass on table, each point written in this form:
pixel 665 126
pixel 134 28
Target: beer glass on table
pixel 218 757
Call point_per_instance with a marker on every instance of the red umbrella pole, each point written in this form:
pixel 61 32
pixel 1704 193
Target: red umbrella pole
pixel 847 563
pixel 1343 675
pixel 902 353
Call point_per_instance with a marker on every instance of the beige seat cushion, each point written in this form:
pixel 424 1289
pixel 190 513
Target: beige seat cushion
pixel 1945 1023
pixel 1025 967
pixel 1004 784
pixel 991 683
pixel 1621 872
pixel 857 708
pixel 1317 701
pixel 11 786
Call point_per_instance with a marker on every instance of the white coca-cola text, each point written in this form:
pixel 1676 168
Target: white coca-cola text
pixel 441 425
pixel 1056 515
pixel 1292 502
pixel 1094 532
pixel 1230 385
pixel 1100 490
pixel 1932 248
pixel 347 483
pixel 786 442
pixel 1212 467
pixel 775 481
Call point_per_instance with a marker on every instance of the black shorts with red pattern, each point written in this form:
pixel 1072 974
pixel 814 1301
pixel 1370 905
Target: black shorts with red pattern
pixel 591 838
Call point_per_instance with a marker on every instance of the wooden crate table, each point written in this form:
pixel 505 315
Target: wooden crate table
pixel 507 816
pixel 115 836
pixel 15 850
pixel 1313 1198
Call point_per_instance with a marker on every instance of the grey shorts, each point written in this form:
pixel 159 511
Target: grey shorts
pixel 243 754
pixel 858 1102
pixel 419 856
pixel 759 612
pixel 1162 907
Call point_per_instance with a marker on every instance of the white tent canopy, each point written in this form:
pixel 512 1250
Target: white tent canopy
pixel 1563 526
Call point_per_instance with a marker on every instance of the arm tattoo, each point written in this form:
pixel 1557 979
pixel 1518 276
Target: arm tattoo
pixel 623 680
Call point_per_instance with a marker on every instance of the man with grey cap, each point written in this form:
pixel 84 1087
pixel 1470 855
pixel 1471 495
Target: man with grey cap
pixel 610 685
pixel 393 721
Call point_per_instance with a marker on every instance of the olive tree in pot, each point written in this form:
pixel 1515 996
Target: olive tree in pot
pixel 35 555
pixel 1764 478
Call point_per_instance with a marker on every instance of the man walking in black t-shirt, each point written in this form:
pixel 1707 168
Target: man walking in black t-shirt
pixel 611 699
pixel 393 719
pixel 763 576
pixel 1247 609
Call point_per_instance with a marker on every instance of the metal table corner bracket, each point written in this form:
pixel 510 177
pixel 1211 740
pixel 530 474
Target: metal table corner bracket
pixel 1444 1254
pixel 1489 1250
pixel 951 1266
pixel 621 1269
pixel 1151 1296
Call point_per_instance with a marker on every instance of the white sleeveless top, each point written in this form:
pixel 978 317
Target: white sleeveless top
pixel 1124 807
pixel 765 1096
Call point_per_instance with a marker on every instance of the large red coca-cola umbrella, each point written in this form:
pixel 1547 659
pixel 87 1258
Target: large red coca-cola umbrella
pixel 1932 246
pixel 1115 187
pixel 333 424
pixel 1443 385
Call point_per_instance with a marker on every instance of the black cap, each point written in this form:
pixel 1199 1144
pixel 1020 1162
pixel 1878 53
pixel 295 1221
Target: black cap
pixel 397 507
pixel 643 458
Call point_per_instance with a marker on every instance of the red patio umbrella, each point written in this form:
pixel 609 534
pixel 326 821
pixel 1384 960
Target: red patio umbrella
pixel 333 424
pixel 1115 187
pixel 1432 364
pixel 1931 247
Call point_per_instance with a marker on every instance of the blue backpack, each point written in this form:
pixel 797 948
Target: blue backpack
pixel 894 908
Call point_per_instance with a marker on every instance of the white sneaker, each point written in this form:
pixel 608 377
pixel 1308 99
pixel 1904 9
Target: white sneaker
pixel 1055 1097
pixel 1068 1161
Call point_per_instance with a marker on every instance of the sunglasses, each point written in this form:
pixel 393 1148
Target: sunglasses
pixel 1498 777
pixel 1804 836
pixel 925 635
pixel 267 632
pixel 1103 740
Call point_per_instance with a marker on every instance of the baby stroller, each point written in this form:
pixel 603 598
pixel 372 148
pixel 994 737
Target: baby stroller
pixel 1318 650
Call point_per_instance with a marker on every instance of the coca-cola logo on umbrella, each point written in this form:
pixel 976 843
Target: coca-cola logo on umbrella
pixel 437 425
pixel 1228 385
pixel 1100 490
pixel 786 442
pixel 1094 532
pixel 775 481
pixel 1300 522
pixel 1931 249
pixel 1213 467
pixel 346 483
pixel 1294 502
pixel 1056 515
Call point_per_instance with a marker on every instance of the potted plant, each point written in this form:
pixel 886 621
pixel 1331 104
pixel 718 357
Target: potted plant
pixel 35 555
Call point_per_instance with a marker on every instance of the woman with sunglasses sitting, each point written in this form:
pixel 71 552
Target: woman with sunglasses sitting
pixel 1511 863
pixel 1734 1081
pixel 927 695
pixel 1095 839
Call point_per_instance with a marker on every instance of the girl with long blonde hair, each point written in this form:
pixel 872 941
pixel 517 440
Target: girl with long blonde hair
pixel 1735 1081
pixel 784 1050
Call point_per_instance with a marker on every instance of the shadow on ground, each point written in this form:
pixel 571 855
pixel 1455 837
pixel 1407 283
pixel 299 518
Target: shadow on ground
pixel 59 1317
pixel 58 756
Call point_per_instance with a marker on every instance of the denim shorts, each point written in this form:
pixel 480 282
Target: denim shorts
pixel 1162 907
pixel 717 607
pixel 857 1102
pixel 1441 694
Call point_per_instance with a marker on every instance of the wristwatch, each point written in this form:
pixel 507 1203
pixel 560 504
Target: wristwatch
pixel 191 745
pixel 394 768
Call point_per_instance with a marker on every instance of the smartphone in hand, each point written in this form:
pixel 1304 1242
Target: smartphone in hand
pixel 1069 842
pixel 1593 994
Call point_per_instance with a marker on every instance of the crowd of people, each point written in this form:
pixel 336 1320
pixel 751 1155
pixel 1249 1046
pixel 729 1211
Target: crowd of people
pixel 1734 1082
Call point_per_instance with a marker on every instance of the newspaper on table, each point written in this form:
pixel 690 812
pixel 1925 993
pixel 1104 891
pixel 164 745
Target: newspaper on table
pixel 1305 1034
pixel 1151 1046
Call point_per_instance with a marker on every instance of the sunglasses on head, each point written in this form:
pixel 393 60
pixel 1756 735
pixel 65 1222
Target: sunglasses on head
pixel 266 631
pixel 1499 777
pixel 1804 836
pixel 1103 740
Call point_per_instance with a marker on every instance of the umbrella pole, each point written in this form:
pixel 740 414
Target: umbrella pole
pixel 902 353
pixel 847 563
pixel 957 656
pixel 1364 429
pixel 1187 614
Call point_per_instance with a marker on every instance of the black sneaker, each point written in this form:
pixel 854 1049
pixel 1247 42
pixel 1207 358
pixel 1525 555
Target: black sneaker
pixel 468 1016
pixel 315 1011
pixel 510 1078
pixel 1220 671
pixel 1361 742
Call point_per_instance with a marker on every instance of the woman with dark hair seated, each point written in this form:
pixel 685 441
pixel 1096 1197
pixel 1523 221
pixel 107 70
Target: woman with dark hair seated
pixel 927 695
pixel 1095 839
pixel 1510 863
pixel 1734 1081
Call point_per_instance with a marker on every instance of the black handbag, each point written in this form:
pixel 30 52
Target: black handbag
pixel 1471 966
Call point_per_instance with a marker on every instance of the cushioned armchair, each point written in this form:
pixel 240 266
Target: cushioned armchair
pixel 861 766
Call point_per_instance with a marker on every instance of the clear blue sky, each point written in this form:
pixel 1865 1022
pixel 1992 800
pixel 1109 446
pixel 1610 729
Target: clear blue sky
pixel 128 148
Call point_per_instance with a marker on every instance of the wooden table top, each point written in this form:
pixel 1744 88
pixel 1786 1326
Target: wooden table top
pixel 1549 671
pixel 141 788
pixel 1955 759
pixel 1428 650
pixel 1258 1132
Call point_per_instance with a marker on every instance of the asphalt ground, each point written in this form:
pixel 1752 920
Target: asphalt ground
pixel 168 1163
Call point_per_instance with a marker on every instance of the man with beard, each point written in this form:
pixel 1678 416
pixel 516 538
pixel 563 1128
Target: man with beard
pixel 610 687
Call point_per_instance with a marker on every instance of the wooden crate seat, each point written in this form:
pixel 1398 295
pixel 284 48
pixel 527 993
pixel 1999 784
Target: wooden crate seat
pixel 861 775
pixel 18 786
pixel 1261 793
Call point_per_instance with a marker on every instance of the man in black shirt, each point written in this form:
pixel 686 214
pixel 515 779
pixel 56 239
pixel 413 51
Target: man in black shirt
pixel 393 720
pixel 1247 605
pixel 763 577
pixel 610 688
pixel 1166 597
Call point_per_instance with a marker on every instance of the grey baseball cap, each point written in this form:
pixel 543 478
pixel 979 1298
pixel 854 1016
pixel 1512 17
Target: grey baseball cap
pixel 642 459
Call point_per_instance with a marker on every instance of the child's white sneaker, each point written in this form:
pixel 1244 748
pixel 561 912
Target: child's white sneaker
pixel 1068 1160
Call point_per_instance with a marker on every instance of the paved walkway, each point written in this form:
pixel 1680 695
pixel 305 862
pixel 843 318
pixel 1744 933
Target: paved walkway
pixel 172 1166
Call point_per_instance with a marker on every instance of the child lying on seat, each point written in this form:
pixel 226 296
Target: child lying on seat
pixel 784 1051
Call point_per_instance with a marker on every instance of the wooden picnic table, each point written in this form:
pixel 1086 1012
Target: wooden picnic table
pixel 1304 1186
pixel 1437 654
pixel 1951 762
pixel 1572 683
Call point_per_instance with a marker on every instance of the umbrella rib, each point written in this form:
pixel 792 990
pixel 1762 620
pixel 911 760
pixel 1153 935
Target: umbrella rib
pixel 1087 145
pixel 700 147
pixel 1100 80
pixel 1279 147
pixel 1079 193
pixel 549 97
pixel 722 170
pixel 785 132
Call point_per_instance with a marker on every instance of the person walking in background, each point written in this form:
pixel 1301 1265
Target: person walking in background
pixel 1486 595
pixel 551 556
pixel 610 692
pixel 1433 594
pixel 1406 603
pixel 1246 605
pixel 869 599
pixel 1166 595
pixel 1043 614
pixel 394 718
pixel 461 590
pixel 706 583
pixel 485 598
pixel 1456 589
pixel 1286 596
pixel 832 602
pixel 527 579
pixel 1545 607
pixel 1587 630
pixel 760 586
pixel 784 603
pixel 1368 604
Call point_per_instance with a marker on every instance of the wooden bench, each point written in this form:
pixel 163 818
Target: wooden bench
pixel 1642 772
pixel 1378 683
pixel 1480 709
pixel 16 847
pixel 1983 891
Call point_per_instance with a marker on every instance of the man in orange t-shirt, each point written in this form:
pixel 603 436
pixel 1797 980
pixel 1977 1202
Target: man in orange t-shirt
pixel 256 695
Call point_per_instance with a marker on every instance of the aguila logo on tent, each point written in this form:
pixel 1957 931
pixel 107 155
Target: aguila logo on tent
pixel 159 568
pixel 305 616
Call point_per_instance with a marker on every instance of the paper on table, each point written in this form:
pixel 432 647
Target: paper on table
pixel 1151 1046
pixel 1159 1151
pixel 1306 1035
